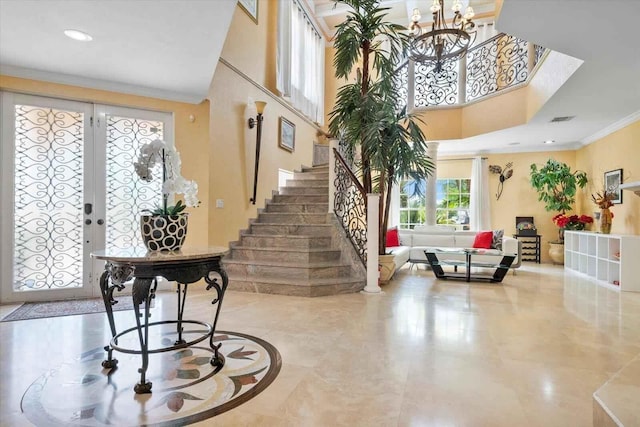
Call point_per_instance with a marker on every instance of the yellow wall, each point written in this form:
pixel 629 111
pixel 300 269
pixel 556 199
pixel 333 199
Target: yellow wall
pixel 518 197
pixel 190 138
pixel 619 150
pixel 251 49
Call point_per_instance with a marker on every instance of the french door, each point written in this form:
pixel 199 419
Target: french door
pixel 69 188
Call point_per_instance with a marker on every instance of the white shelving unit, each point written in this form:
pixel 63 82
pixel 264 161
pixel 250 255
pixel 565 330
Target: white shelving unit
pixel 611 259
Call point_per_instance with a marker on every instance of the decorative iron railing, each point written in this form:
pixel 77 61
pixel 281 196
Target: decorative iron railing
pixel 350 205
pixel 436 88
pixel 498 63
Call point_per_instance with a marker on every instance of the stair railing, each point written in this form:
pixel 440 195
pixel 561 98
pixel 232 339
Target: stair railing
pixel 357 212
pixel 348 201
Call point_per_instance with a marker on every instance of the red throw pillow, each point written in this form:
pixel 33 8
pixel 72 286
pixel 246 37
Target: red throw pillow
pixel 483 240
pixel 392 238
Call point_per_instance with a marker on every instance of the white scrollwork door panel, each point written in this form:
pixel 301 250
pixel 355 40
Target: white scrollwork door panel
pixel 69 188
pixel 46 190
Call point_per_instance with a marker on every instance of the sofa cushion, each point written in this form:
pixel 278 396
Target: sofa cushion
pixel 483 240
pixel 406 237
pixel 464 240
pixel 400 255
pixel 434 240
pixel 392 237
pixel 496 243
pixel 435 229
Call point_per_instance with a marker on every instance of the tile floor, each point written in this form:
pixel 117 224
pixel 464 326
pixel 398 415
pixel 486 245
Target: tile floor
pixel 528 352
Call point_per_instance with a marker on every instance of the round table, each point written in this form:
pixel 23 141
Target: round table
pixel 185 266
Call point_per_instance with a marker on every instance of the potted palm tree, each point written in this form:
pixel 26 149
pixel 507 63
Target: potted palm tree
pixel 556 185
pixel 365 115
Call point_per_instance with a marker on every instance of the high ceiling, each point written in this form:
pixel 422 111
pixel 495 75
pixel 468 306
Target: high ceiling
pixel 169 49
pixel 602 94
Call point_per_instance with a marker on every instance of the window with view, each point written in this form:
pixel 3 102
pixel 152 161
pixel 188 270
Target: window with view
pixel 300 60
pixel 452 203
pixel 412 204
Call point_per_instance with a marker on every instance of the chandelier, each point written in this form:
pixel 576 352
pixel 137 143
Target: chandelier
pixel 443 43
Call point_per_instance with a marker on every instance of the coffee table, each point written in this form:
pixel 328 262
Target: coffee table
pixel 500 268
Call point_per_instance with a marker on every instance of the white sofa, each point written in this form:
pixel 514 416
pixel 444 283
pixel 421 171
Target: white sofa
pixel 415 242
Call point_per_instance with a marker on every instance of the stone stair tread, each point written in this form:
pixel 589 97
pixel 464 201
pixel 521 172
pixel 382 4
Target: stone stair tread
pixel 299 282
pixel 293 213
pixel 286 264
pixel 299 203
pixel 292 236
pixel 310 186
pixel 278 249
pixel 297 224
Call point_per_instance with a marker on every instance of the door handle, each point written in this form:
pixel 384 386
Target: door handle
pixel 88 208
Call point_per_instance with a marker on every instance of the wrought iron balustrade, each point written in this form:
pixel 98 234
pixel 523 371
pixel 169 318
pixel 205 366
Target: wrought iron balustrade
pixel 498 63
pixel 350 205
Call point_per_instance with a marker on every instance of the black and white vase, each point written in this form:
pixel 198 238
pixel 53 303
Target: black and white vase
pixel 164 232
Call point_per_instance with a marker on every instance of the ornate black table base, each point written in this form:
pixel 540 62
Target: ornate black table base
pixel 145 283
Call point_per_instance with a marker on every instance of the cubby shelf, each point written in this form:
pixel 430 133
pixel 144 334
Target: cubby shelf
pixel 608 258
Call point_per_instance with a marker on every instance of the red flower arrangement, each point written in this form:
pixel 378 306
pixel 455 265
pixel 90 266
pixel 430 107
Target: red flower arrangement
pixel 573 222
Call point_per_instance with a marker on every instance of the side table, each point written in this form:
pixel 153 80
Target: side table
pixel 530 247
pixel 184 267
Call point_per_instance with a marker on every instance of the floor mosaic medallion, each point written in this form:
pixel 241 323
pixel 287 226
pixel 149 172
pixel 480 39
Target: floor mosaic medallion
pixel 186 388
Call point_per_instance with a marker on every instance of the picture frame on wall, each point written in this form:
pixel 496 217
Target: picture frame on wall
pixel 287 135
pixel 251 8
pixel 612 181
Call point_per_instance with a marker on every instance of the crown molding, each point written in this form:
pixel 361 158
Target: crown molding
pixel 111 86
pixel 611 128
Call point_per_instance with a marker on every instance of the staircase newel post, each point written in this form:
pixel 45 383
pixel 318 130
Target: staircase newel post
pixel 333 144
pixel 372 244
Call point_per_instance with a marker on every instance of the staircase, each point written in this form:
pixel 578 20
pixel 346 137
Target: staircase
pixel 294 247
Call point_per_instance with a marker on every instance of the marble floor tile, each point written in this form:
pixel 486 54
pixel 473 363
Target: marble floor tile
pixel 528 352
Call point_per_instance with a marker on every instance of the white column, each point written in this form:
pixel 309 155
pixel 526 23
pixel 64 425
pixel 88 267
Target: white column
pixel 462 80
pixel 432 151
pixel 332 174
pixel 531 56
pixel 372 244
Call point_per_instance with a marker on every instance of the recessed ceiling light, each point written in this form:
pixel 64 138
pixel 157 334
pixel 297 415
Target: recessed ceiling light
pixel 549 141
pixel 514 143
pixel 78 35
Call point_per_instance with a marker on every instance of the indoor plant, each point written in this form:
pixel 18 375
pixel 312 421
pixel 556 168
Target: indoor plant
pixel 556 185
pixel 165 227
pixel 365 116
pixel 573 222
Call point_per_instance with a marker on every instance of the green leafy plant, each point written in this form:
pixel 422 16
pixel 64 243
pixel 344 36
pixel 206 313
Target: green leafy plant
pixel 556 185
pixel 169 210
pixel 391 144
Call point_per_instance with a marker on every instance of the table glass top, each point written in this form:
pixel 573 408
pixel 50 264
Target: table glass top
pixel 143 254
pixel 463 251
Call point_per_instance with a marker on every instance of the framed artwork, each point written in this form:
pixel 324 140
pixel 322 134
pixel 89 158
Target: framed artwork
pixel 612 181
pixel 251 7
pixel 287 136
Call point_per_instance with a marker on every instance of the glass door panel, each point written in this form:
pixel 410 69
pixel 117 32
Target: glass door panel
pixel 127 196
pixel 46 147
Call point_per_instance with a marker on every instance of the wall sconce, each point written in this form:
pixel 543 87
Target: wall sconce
pixel 252 123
